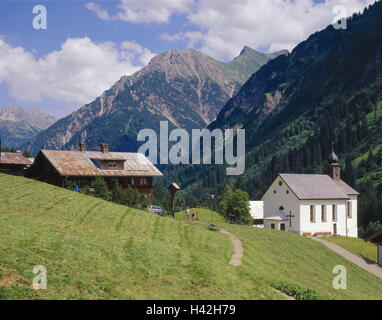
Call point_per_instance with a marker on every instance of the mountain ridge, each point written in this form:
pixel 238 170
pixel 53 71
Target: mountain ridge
pixel 183 87
pixel 18 125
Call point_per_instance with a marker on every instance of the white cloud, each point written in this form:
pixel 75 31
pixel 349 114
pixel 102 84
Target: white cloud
pixel 274 24
pixel 143 11
pixel 77 73
pixel 192 37
pixel 225 26
pixel 133 49
pixel 101 13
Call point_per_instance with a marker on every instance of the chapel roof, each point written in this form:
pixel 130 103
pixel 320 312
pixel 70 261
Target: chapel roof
pixel 317 187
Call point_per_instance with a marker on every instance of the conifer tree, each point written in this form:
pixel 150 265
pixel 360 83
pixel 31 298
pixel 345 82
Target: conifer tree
pixel 100 187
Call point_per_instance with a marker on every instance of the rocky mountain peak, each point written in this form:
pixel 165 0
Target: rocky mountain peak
pixel 185 87
pixel 35 116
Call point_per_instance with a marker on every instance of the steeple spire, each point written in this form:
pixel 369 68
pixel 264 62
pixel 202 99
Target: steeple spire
pixel 334 169
pixel 333 158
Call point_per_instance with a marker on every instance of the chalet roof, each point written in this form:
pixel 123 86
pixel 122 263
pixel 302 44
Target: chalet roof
pixel 13 158
pixel 79 163
pixel 317 186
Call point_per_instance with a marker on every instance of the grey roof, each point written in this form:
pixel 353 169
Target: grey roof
pixel 317 186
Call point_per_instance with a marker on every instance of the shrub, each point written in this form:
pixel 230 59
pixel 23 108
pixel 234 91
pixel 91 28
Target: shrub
pixel 297 292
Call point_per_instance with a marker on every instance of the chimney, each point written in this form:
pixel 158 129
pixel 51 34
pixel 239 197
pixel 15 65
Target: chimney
pixel 104 147
pixel 82 146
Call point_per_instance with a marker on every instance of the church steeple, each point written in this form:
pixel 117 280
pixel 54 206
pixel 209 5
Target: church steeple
pixel 334 169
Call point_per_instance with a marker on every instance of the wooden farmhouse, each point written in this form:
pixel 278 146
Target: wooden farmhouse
pixel 312 204
pixel 81 167
pixel 13 163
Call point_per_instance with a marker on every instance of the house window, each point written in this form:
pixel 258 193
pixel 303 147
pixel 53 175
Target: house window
pixel 132 181
pixel 112 164
pixel 287 191
pixel 274 191
pixel 349 209
pixel 312 214
pixel 334 212
pixel 143 181
pixel 323 213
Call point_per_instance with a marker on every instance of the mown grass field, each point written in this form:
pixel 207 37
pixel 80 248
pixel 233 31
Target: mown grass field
pixel 281 258
pixel 94 249
pixel 365 249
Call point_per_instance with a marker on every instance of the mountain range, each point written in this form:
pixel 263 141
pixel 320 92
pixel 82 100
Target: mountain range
pixel 17 125
pixel 186 88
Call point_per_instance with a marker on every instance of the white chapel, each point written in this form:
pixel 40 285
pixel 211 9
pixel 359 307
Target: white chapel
pixel 312 204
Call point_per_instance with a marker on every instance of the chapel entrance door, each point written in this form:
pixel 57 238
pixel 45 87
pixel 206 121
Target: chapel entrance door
pixel 282 227
pixel 335 229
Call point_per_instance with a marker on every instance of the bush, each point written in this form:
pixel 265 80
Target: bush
pixel 69 184
pixel 129 197
pixel 297 292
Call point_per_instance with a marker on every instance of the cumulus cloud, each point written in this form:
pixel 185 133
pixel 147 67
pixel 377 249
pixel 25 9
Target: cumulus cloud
pixel 225 26
pixel 77 73
pixel 271 24
pixel 143 11
pixel 192 37
pixel 133 49
pixel 97 9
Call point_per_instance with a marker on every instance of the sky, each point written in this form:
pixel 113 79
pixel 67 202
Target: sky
pixel 86 46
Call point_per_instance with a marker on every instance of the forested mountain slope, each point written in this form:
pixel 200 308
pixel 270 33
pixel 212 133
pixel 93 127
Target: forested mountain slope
pixel 328 89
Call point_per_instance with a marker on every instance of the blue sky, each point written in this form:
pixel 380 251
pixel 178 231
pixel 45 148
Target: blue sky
pixel 88 45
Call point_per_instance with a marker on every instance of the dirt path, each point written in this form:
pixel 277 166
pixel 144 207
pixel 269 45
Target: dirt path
pixel 236 259
pixel 237 247
pixel 352 257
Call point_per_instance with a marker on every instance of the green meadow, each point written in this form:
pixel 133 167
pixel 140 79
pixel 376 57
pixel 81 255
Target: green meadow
pixel 93 249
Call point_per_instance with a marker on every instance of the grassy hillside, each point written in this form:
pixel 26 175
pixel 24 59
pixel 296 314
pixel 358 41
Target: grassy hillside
pixel 365 249
pixel 93 249
pixel 287 259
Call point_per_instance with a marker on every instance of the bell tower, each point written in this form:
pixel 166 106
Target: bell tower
pixel 334 169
